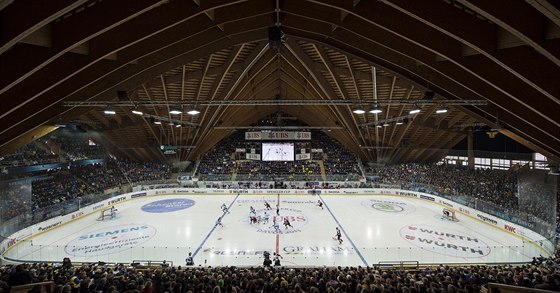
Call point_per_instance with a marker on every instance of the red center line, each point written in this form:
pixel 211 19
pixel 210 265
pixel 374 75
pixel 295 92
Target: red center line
pixel 278 235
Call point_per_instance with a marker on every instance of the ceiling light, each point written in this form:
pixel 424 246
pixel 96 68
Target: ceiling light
pixel 109 112
pixel 137 112
pixel 375 110
pixel 157 122
pixel 441 110
pixel 178 125
pixel 193 112
pixel 399 123
pixel 358 110
pixel 171 123
pixel 414 110
pixel 385 124
pixel 379 126
pixel 175 112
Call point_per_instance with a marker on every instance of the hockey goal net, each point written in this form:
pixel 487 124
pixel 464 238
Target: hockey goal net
pixel 449 215
pixel 107 214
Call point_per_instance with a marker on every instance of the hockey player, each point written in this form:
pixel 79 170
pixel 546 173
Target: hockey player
pixel 252 211
pixel 219 222
pixel 266 216
pixel 267 205
pixel 320 204
pixel 276 227
pixel 338 236
pixel 224 208
pixel 113 212
pixel 287 223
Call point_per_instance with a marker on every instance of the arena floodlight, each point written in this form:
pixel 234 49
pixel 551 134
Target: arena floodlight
pixel 193 112
pixel 358 110
pixel 415 110
pixel 375 110
pixel 441 110
pixel 137 112
pixel 109 112
pixel 175 112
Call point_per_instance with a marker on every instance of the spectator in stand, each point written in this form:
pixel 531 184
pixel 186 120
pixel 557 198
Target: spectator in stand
pixel 542 273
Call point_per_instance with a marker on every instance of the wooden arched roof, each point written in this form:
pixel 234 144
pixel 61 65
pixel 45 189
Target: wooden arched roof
pixel 506 53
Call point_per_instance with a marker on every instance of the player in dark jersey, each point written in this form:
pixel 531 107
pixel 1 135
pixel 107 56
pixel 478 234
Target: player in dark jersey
pixel 287 223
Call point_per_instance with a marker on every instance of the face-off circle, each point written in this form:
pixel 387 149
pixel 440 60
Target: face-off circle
pixel 110 240
pixel 168 205
pixel 296 218
pixel 444 241
pixel 389 206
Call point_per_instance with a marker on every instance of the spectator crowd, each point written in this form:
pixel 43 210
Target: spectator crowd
pixel 61 185
pixel 228 157
pixel 497 186
pixel 541 273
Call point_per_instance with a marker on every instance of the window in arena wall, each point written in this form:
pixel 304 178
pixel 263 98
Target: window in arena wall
pixel 500 163
pixel 482 162
pixel 482 166
pixel 539 157
pixel 520 162
pixel 499 168
pixel 541 166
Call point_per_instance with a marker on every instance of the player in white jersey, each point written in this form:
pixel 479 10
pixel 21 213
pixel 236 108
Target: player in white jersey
pixel 265 217
pixel 224 208
pixel 113 212
pixel 276 227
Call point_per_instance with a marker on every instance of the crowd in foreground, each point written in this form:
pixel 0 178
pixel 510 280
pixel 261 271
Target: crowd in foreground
pixel 541 273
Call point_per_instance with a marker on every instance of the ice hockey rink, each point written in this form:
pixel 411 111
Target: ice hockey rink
pixel 374 228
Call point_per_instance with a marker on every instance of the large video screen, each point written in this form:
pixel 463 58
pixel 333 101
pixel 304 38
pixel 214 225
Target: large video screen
pixel 274 151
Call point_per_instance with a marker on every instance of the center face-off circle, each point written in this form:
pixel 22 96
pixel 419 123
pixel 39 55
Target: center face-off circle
pixel 296 217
